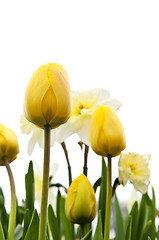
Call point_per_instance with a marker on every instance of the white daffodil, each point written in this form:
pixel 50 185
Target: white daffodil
pixel 38 183
pixel 83 105
pixel 135 168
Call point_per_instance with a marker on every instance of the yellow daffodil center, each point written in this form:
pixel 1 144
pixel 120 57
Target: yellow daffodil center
pixel 80 108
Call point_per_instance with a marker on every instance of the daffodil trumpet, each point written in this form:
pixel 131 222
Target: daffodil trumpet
pixel 12 217
pixel 45 183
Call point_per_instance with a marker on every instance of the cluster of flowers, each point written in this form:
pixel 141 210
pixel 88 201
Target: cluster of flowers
pixel 51 109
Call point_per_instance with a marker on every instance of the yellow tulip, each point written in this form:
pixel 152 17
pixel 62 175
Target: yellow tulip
pixel 8 144
pixel 80 205
pixel 48 96
pixel 106 133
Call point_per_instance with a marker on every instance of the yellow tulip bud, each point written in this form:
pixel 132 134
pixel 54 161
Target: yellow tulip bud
pixel 80 205
pixel 8 144
pixel 106 133
pixel 48 96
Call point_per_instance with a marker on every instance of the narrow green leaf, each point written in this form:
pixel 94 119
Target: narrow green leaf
pixel 146 230
pixel 4 217
pixel 30 188
pixel 67 225
pixel 134 216
pixel 58 213
pixel 18 232
pixel 20 215
pixel 143 217
pixel 1 232
pixel 98 233
pixel 151 232
pixel 33 230
pixel 102 194
pixel 157 233
pixel 118 219
pixel 88 235
pixel 27 219
pixel 53 223
pixel 128 229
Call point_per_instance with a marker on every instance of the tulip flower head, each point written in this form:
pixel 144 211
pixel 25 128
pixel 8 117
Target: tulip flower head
pixel 47 98
pixel 135 168
pixel 106 133
pixel 8 144
pixel 80 205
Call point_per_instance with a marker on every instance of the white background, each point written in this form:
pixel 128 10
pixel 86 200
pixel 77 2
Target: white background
pixel 113 45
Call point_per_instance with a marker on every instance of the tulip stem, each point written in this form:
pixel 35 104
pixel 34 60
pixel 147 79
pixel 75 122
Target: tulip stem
pixel 12 217
pixel 82 230
pixel 108 200
pixel 45 184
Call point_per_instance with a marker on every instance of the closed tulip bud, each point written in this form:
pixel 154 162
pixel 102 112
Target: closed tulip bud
pixel 48 97
pixel 8 144
pixel 106 133
pixel 80 205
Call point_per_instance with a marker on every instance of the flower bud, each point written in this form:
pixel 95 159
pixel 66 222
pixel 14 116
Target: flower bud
pixel 8 144
pixel 80 205
pixel 106 133
pixel 48 96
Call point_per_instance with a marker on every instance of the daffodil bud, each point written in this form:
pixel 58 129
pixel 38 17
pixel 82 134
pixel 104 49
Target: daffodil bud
pixel 8 144
pixel 48 96
pixel 106 133
pixel 80 205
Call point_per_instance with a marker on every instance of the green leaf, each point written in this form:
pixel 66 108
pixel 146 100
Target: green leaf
pixel 118 219
pixel 134 216
pixel 30 188
pixel 67 225
pixel 18 232
pixel 58 213
pixel 1 232
pixel 143 217
pixel 146 230
pixel 128 229
pixel 98 233
pixel 27 219
pixel 151 205
pixel 4 217
pixel 33 229
pixel 102 194
pixel 88 235
pixel 53 223
pixel 20 215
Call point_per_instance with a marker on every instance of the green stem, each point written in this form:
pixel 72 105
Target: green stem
pixel 12 217
pixel 45 184
pixel 68 162
pixel 82 226
pixel 85 168
pixel 108 200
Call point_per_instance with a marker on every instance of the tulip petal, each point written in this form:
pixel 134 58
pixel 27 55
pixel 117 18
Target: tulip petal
pixel 49 105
